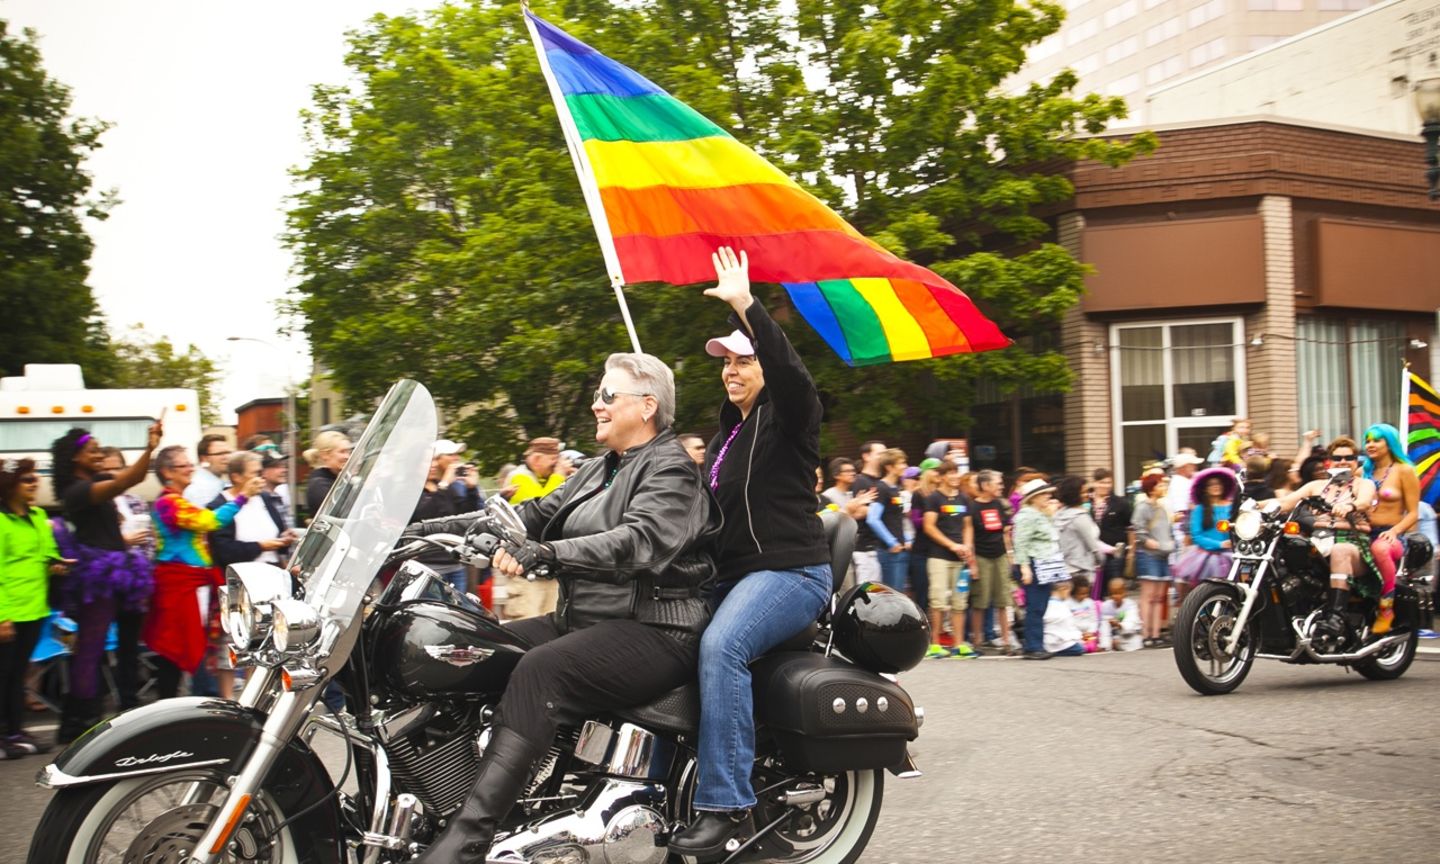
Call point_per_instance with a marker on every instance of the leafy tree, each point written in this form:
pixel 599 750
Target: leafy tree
pixel 50 313
pixel 143 360
pixel 440 231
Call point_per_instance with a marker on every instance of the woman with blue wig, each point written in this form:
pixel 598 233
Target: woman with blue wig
pixel 1397 509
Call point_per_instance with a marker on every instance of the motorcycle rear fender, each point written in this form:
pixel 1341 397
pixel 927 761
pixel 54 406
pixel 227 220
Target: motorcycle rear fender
pixel 193 732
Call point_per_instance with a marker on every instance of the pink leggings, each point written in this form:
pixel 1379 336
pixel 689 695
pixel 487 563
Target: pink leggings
pixel 1387 556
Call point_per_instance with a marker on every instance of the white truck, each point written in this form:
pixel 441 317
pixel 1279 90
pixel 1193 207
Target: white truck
pixel 49 399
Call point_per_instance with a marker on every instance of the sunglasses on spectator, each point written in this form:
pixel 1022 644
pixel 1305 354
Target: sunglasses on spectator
pixel 1343 457
pixel 607 396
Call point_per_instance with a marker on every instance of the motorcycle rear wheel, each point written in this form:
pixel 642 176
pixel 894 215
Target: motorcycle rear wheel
pixel 1389 665
pixel 1205 620
pixel 153 818
pixel 834 831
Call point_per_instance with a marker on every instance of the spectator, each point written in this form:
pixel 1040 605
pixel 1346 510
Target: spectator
pixel 1037 551
pixel 1112 513
pixel 327 457
pixel 886 519
pixel 945 516
pixel 841 496
pixel 1183 466
pixel 695 446
pixel 1080 541
pixel 28 558
pixel 1257 469
pixel 915 485
pixel 991 587
pixel 1063 637
pixel 184 613
pixel 1085 611
pixel 135 529
pixel 537 477
pixel 274 469
pixel 1023 475
pixel 1209 557
pixel 1154 542
pixel 110 575
pixel 258 532
pixel 215 454
pixel 865 559
pixel 1226 448
pixel 571 460
pixel 438 500
pixel 1282 477
pixel 1122 615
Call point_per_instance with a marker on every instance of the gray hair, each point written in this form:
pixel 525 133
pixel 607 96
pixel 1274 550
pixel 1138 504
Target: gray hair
pixel 165 459
pixel 238 461
pixel 987 476
pixel 653 377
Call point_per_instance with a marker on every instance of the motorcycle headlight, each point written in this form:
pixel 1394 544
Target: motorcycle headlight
pixel 240 618
pixel 296 625
pixel 1248 524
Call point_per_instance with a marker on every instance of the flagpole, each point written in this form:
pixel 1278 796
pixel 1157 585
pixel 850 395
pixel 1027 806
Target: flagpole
pixel 583 172
pixel 1405 407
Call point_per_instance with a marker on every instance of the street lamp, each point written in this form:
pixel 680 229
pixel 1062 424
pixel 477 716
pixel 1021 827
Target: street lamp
pixel 1427 102
pixel 292 430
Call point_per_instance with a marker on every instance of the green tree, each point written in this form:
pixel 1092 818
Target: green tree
pixel 440 231
pixel 143 360
pixel 50 312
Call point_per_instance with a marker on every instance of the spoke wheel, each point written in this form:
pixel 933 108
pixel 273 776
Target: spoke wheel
pixel 1392 662
pixel 1203 629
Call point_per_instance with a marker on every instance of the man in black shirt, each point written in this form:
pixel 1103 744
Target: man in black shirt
pixel 1112 513
pixel 864 560
pixel 990 584
pixel 944 524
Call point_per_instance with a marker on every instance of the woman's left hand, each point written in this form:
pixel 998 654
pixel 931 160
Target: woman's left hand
pixel 733 277
pixel 1389 535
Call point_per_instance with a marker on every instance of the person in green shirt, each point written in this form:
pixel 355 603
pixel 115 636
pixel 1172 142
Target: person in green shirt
pixel 28 558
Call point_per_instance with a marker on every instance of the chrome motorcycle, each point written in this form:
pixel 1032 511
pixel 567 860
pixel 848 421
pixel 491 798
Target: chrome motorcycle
pixel 1272 604
pixel 422 668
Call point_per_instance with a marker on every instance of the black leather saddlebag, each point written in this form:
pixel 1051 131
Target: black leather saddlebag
pixel 828 716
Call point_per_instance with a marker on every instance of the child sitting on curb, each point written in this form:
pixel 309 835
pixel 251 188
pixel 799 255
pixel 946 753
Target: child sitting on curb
pixel 1122 614
pixel 1063 637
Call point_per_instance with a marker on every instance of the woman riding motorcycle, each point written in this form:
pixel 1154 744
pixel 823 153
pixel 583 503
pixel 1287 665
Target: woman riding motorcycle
pixel 1397 510
pixel 1349 516
pixel 627 536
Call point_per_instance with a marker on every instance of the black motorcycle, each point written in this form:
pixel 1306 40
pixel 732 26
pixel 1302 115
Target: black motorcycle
pixel 1273 603
pixel 422 668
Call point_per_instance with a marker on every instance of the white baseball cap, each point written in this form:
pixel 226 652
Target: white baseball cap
pixel 737 342
pixel 446 447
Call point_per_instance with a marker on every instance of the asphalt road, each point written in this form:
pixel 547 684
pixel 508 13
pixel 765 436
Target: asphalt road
pixel 1112 758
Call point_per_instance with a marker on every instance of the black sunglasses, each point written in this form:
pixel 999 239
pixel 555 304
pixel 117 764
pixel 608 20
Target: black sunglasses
pixel 607 396
pixel 1347 458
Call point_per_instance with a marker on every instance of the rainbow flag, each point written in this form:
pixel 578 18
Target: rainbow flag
pixel 1422 435
pixel 665 187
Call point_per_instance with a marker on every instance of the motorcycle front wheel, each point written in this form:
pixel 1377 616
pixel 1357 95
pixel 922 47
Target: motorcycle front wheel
pixel 834 830
pixel 154 818
pixel 1204 624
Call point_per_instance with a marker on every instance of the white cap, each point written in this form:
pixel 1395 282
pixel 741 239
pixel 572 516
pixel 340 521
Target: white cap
pixel 1186 456
pixel 1033 488
pixel 737 342
pixel 446 447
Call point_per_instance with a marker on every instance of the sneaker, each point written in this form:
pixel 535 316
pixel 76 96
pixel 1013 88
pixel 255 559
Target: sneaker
pixel 937 652
pixel 964 651
pixel 25 739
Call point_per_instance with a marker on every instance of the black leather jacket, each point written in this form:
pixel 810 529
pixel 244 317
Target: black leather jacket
pixel 632 536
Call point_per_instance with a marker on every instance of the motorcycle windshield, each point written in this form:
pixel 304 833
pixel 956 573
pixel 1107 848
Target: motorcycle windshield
pixel 369 505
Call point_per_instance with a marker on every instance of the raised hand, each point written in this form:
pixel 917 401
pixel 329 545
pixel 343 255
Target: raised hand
pixel 732 275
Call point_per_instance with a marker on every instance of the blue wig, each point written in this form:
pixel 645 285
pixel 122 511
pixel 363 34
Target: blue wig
pixel 1391 436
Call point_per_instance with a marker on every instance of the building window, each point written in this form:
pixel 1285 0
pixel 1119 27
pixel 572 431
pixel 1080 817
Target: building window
pixel 1276 5
pixel 1212 50
pixel 1048 47
pixel 1122 49
pixel 1082 31
pixel 1348 373
pixel 1255 43
pixel 1123 86
pixel 1124 12
pixel 1151 4
pixel 1344 5
pixel 1085 65
pixel 1176 385
pixel 1167 29
pixel 1206 12
pixel 1167 68
pixel 324 412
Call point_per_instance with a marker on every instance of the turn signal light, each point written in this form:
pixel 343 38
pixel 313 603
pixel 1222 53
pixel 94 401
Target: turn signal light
pixel 57 409
pixel 87 409
pixel 1292 528
pixel 1223 526
pixel 180 407
pixel 286 681
pixel 240 805
pixel 22 409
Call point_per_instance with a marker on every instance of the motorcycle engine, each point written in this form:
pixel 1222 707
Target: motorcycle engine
pixel 434 754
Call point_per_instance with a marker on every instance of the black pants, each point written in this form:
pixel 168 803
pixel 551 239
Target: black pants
pixel 610 665
pixel 167 678
pixel 14 661
pixel 127 657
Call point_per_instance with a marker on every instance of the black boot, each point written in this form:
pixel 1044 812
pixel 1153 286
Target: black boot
pixel 1332 623
pixel 503 772
pixel 76 717
pixel 707 836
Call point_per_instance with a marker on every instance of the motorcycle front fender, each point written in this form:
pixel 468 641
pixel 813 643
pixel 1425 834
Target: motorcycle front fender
pixel 198 732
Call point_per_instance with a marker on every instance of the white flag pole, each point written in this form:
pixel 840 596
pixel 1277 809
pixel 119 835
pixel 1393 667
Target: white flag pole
pixel 1405 407
pixel 586 176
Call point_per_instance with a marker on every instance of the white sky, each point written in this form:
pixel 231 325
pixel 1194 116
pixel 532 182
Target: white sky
pixel 205 97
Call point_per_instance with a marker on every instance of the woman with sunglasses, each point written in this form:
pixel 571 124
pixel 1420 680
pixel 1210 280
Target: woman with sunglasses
pixel 28 558
pixel 1397 510
pixel 773 559
pixel 1349 504
pixel 628 537
pixel 109 576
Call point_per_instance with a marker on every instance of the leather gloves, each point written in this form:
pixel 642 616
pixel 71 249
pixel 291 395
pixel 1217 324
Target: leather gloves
pixel 534 557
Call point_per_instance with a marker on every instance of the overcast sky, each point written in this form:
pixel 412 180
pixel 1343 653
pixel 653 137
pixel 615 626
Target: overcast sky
pixel 205 97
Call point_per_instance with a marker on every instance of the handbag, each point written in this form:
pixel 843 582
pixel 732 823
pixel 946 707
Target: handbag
pixel 1050 569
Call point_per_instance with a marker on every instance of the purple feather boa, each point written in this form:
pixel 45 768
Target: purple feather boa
pixel 127 577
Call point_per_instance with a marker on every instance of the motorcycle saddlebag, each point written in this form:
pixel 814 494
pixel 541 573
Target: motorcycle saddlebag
pixel 829 716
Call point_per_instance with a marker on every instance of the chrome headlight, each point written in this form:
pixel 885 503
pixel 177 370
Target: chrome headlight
pixel 251 588
pixel 1248 524
pixel 240 618
pixel 296 625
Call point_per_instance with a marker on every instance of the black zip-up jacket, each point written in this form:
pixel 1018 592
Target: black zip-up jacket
pixel 632 536
pixel 767 480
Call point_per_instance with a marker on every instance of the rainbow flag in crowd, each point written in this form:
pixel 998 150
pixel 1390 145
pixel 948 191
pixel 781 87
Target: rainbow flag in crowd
pixel 665 187
pixel 1422 434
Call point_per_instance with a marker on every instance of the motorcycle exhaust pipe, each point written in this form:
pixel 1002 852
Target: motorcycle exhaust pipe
pixel 1372 648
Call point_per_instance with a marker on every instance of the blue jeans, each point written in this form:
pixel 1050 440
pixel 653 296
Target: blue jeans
pixel 1037 597
pixel 894 568
pixel 755 614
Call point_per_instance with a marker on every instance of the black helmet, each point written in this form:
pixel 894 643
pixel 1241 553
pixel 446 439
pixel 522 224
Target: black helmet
pixel 1418 552
pixel 881 629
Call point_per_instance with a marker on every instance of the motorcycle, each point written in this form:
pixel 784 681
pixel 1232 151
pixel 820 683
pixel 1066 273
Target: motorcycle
pixel 423 668
pixel 1272 604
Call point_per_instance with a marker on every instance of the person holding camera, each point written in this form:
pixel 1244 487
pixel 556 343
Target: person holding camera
pixel 537 478
pixel 437 500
